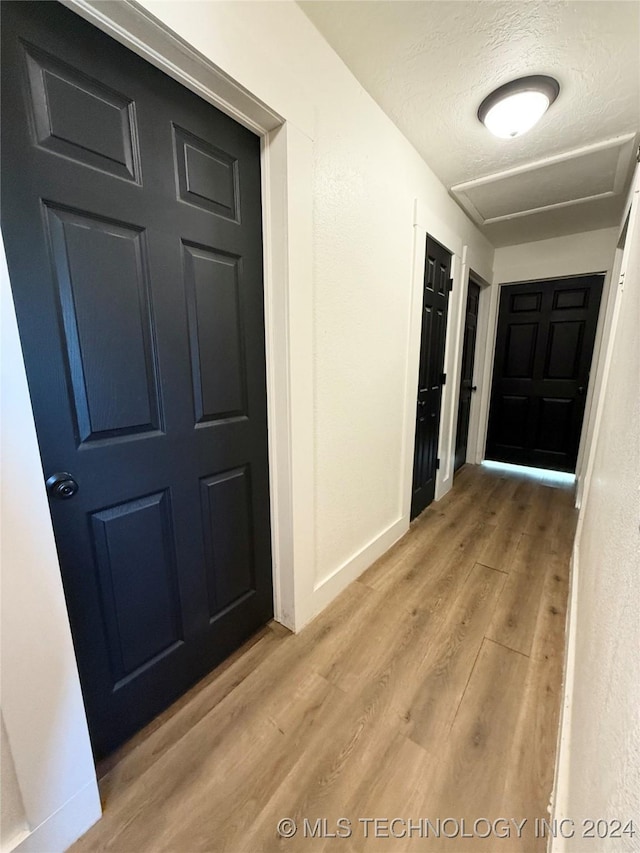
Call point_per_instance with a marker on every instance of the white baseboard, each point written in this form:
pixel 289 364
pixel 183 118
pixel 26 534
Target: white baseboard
pixel 58 832
pixel 333 584
pixel 560 797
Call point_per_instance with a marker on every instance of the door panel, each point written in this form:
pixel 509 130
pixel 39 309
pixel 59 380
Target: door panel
pixel 437 279
pixel 79 118
pixel 211 285
pixel 563 350
pixel 132 224
pixel 520 350
pixel 467 387
pixel 555 417
pixel 101 271
pixel 207 176
pixel 226 507
pixel 135 560
pixel 544 345
pixel 513 420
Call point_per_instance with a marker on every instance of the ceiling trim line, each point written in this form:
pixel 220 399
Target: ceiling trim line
pixel 613 142
pixel 555 206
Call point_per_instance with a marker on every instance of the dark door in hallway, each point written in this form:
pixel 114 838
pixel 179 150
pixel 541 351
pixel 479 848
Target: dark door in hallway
pixel 467 387
pixel 544 346
pixel 132 223
pixel 435 299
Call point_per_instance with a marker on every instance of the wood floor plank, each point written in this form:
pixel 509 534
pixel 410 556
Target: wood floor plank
pixel 228 800
pixel 430 687
pixel 384 569
pixel 474 760
pixel 150 744
pixel 338 768
pixel 500 550
pixel 562 528
pixel 499 496
pixel 355 665
pixel 514 512
pixel 377 686
pixel 553 518
pixel 203 788
pixel 431 542
pixel 514 619
pixel 393 791
pixel 441 559
pixel 529 773
pixel 443 679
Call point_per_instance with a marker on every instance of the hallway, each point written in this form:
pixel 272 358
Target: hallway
pixel 431 689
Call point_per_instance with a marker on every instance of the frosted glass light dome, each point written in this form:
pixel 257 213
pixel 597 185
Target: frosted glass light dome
pixel 516 114
pixel 516 107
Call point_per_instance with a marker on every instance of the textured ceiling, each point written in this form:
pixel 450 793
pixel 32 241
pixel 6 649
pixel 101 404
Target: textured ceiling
pixel 429 64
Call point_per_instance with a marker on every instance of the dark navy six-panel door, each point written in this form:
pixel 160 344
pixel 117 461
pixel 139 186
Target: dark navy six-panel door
pixel 544 346
pixel 435 301
pixel 132 224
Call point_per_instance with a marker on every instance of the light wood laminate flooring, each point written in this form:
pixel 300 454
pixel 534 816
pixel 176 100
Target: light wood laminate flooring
pixel 430 689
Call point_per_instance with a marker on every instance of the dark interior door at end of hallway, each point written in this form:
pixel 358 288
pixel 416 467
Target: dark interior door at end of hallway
pixel 467 387
pixel 544 347
pixel 132 224
pixel 435 300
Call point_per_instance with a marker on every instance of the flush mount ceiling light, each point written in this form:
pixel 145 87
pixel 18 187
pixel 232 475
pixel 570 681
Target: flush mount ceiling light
pixel 514 108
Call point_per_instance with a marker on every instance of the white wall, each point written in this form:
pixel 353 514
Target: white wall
pixel 575 254
pixel 356 197
pixel 599 764
pixel 13 821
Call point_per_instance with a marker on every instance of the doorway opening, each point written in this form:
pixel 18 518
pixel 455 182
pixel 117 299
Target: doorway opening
pixel 431 378
pixel 544 348
pixel 467 385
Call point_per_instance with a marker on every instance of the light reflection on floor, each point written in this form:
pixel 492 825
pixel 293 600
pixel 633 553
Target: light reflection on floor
pixel 559 479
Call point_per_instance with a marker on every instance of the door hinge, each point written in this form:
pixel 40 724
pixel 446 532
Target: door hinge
pixel 443 378
pixel 437 464
pixel 450 285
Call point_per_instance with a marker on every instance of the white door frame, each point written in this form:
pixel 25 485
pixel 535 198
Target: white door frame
pixel 57 787
pixel 426 222
pixel 487 327
pixel 464 258
pixel 490 308
pixel 474 448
